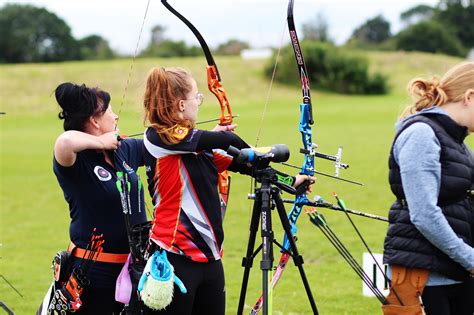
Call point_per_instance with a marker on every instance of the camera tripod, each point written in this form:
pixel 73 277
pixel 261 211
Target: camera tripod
pixel 266 198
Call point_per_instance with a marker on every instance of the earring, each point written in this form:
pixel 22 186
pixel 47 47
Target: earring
pixel 181 106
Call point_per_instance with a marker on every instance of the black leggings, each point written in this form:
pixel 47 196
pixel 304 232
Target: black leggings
pixel 99 301
pixel 455 299
pixel 205 284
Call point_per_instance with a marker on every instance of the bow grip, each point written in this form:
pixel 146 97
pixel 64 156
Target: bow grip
pixel 218 90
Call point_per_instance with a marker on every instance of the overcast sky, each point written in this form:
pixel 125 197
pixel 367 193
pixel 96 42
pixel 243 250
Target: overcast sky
pixel 261 23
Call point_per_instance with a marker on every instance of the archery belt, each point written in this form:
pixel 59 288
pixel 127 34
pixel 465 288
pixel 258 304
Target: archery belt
pixel 405 291
pixel 70 278
pixel 100 256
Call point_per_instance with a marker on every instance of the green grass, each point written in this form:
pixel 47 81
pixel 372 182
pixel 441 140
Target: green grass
pixel 34 217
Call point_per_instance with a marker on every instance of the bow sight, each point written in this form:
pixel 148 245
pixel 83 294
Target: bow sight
pixel 254 156
pixel 260 158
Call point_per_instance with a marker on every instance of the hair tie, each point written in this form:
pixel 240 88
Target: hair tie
pixel 435 84
pixel 63 114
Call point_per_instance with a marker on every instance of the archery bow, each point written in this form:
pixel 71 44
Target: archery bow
pixel 306 120
pixel 215 86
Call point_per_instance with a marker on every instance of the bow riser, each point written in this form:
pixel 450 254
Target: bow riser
pixel 218 90
pixel 307 137
pixel 306 169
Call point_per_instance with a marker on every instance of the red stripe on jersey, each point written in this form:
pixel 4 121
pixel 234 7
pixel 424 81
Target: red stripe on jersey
pixel 189 248
pixel 170 186
pixel 222 161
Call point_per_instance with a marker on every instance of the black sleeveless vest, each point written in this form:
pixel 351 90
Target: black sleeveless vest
pixel 404 244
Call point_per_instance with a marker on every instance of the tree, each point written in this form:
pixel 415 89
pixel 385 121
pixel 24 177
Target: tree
pixel 157 35
pixel 317 29
pixel 458 15
pixel 417 14
pixel 429 36
pixel 169 48
pixel 456 18
pixel 31 34
pixel 95 47
pixel 160 46
pixel 373 31
pixel 232 47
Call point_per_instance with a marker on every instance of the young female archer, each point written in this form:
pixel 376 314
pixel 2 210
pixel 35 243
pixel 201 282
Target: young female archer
pixel 182 164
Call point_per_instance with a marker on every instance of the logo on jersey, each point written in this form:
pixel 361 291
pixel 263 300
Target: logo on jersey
pixel 102 174
pixel 193 132
pixel 181 132
pixel 127 167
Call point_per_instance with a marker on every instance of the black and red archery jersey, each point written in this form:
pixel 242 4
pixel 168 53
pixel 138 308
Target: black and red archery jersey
pixel 182 181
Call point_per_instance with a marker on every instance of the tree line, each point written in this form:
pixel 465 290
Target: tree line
pixel 33 34
pixel 445 28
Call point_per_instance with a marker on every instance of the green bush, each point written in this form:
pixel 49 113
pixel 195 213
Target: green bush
pixel 430 36
pixel 330 68
pixel 169 48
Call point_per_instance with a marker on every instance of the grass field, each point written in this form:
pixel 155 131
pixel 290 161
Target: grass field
pixel 34 217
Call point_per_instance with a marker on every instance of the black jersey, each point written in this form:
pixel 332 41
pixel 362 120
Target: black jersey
pixel 89 187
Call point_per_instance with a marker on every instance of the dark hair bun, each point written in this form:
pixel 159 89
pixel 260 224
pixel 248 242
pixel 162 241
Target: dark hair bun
pixel 78 103
pixel 75 100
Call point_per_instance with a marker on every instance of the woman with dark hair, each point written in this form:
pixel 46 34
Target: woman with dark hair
pixel 430 240
pixel 87 157
pixel 182 164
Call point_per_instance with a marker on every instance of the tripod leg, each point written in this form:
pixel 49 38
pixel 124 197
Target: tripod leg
pixel 266 263
pixel 297 258
pixel 247 261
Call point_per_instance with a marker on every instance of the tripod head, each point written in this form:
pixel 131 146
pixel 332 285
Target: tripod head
pixel 260 158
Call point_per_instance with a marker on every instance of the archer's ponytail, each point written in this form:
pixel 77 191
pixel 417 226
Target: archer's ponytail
pixel 437 92
pixel 164 89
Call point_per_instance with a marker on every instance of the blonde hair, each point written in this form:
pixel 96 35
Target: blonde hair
pixel 164 89
pixel 439 91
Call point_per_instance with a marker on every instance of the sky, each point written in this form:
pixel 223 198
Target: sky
pixel 261 23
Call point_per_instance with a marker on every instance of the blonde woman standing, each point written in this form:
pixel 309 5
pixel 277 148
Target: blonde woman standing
pixel 430 239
